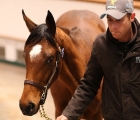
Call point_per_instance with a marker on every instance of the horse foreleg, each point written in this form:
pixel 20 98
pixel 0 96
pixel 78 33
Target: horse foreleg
pixel 61 97
pixel 98 115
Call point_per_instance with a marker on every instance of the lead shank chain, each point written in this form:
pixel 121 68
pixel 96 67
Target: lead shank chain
pixel 43 114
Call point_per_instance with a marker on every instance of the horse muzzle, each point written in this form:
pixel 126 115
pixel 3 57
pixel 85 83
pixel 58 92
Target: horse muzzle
pixel 29 109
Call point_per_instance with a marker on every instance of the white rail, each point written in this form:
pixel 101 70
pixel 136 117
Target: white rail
pixel 11 49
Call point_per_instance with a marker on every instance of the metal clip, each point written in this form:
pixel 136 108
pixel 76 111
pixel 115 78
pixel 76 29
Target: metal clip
pixel 62 52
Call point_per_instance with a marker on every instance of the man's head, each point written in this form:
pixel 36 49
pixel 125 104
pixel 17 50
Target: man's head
pixel 121 29
pixel 118 8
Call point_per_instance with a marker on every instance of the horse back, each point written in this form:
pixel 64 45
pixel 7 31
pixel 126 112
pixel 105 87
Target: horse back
pixel 83 27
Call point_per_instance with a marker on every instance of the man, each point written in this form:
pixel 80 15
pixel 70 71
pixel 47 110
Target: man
pixel 116 57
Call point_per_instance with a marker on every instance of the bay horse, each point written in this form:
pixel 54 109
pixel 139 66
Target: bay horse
pixel 56 55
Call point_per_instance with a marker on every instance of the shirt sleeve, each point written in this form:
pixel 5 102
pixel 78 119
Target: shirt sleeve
pixel 87 90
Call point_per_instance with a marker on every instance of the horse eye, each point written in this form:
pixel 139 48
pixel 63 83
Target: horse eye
pixel 50 60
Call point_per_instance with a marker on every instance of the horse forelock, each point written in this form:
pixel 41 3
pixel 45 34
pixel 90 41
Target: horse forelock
pixel 40 32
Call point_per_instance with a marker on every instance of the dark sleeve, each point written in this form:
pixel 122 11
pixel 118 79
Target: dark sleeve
pixel 87 90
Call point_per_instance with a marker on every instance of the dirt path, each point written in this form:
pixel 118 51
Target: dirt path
pixel 11 86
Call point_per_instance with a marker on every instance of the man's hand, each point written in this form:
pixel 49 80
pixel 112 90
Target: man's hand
pixel 62 117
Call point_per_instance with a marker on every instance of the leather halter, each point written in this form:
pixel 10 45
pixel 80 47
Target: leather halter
pixel 46 87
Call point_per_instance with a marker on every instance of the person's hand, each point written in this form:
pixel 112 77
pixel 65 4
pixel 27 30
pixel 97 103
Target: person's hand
pixel 62 117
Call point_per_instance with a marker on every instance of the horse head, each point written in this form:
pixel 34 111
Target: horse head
pixel 42 55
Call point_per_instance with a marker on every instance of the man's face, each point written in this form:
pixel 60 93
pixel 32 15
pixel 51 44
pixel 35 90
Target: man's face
pixel 120 29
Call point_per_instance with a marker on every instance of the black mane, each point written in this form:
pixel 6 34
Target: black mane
pixel 38 34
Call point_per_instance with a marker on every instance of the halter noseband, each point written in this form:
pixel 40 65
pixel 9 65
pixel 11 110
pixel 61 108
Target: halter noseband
pixel 46 87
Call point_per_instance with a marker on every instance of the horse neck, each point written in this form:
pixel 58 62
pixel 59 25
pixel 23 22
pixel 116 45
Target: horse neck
pixel 74 62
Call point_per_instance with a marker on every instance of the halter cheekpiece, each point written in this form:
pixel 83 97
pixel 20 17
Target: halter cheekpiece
pixel 46 87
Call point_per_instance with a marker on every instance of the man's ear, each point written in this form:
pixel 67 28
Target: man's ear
pixel 132 17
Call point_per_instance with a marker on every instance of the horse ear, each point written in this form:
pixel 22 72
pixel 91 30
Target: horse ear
pixel 50 22
pixel 30 24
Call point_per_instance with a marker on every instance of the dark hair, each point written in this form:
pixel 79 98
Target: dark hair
pixel 129 14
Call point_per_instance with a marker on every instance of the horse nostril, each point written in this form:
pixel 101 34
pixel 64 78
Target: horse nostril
pixel 27 110
pixel 30 107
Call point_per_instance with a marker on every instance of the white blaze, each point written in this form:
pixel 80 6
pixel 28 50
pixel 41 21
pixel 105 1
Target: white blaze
pixel 36 50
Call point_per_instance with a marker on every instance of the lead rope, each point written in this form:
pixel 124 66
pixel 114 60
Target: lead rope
pixel 43 114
